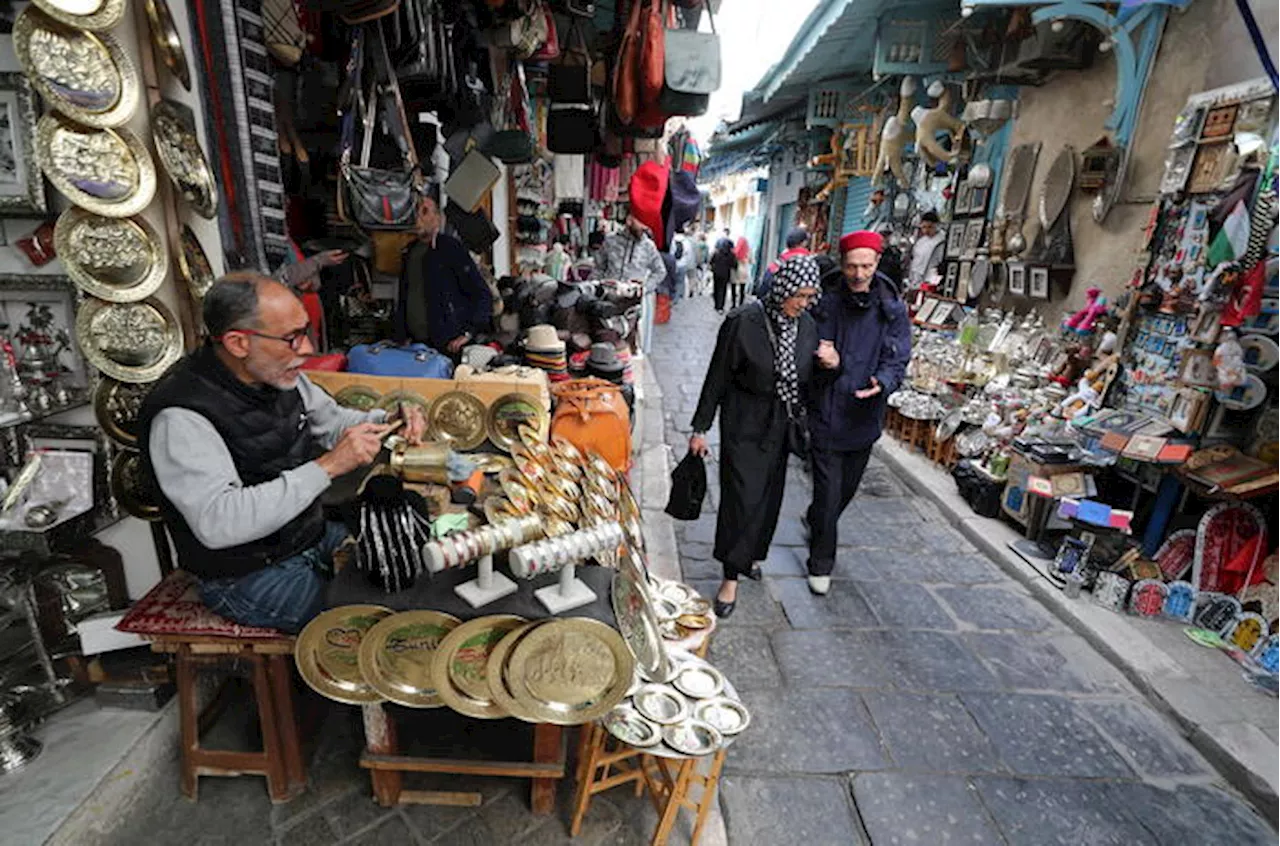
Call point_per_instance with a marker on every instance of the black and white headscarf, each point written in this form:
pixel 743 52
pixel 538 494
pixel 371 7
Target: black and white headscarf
pixel 794 273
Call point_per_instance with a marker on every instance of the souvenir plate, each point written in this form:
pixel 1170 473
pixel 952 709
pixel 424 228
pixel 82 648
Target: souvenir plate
pixel 392 399
pixel 107 171
pixel 660 703
pixel 132 342
pixel 1243 397
pixel 396 656
pixel 93 15
pixel 570 671
pixel 692 737
pixel 508 413
pixel 133 487
pixel 496 673
pixel 194 264
pixel 492 464
pixel 677 592
pixel 699 681
pixel 629 515
pixel 458 418
pixel 183 159
pixel 725 715
pixel 359 397
pixel 499 509
pixel 639 626
pixel 328 649
pixel 565 448
pixel 519 492
pixel 460 668
pixel 164 35
pixel 632 728
pixel 116 405
pixel 1260 352
pixel 120 260
pixel 85 76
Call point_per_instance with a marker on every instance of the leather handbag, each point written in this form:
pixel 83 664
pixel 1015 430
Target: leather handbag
pixel 513 142
pixel 626 73
pixel 652 53
pixel 411 361
pixel 571 118
pixel 592 415
pixel 376 199
pixel 692 65
pixel 474 229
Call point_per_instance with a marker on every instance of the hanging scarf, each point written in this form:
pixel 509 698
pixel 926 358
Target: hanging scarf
pixel 793 274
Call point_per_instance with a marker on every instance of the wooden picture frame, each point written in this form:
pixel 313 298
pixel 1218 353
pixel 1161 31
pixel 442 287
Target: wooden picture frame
pixel 1038 283
pixel 1186 413
pixel 1207 327
pixel 951 279
pixel 1017 278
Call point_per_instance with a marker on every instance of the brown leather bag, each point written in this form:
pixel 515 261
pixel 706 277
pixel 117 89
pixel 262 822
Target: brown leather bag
pixel 626 85
pixel 653 54
pixel 592 415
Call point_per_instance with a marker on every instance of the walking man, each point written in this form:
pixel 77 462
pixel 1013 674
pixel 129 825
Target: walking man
pixel 864 343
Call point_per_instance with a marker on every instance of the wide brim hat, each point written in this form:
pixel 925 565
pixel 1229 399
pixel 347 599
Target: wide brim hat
pixel 604 357
pixel 567 295
pixel 647 193
pixel 543 337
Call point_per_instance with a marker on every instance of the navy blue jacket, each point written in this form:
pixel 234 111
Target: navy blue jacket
pixel 872 341
pixel 442 294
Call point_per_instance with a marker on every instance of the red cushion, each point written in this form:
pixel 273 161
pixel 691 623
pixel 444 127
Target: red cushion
pixel 331 362
pixel 173 607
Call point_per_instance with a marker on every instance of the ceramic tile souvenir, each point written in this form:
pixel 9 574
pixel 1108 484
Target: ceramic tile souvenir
pixel 1268 654
pixel 1111 590
pixel 1147 599
pixel 1247 631
pixel 1216 611
pixel 1180 602
pixel 1176 554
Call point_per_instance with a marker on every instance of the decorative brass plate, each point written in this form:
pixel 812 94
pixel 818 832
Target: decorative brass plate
pixel 459 670
pixel 359 397
pixel 629 515
pixel 457 417
pixel 132 342
pixel 116 405
pixel 498 509
pixel 396 656
pixel 391 399
pixel 107 171
pixel 491 463
pixel 508 413
pixel 93 15
pixel 194 265
pixel 632 728
pixel 183 159
pixel 164 35
pixel 496 672
pixel 133 487
pixel 639 626
pixel 328 649
pixel 86 76
pixel 120 260
pixel 570 671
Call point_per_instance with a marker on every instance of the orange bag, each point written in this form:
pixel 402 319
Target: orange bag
pixel 626 86
pixel 662 309
pixel 653 55
pixel 592 415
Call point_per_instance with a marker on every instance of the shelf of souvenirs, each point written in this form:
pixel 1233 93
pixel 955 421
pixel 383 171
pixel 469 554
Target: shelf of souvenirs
pixel 9 419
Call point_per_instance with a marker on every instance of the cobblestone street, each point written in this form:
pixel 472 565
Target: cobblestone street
pixel 928 699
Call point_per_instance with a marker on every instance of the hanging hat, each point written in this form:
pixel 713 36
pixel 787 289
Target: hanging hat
pixel 543 338
pixel 647 192
pixel 862 238
pixel 683 201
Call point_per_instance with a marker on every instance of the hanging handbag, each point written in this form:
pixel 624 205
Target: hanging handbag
pixel 550 48
pixel 474 229
pixel 626 73
pixel 692 65
pixel 571 119
pixel 798 442
pixel 652 53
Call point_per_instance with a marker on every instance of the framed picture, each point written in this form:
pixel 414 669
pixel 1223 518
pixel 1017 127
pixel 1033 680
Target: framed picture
pixel 926 311
pixel 978 200
pixel 962 283
pixel 973 237
pixel 951 279
pixel 1197 369
pixel 1210 168
pixel 1207 326
pixel 964 194
pixel 1219 122
pixel 955 238
pixel 21 184
pixel 23 297
pixel 1040 283
pixel 1187 410
pixel 1017 278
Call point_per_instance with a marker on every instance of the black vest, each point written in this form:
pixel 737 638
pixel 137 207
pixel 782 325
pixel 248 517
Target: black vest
pixel 265 431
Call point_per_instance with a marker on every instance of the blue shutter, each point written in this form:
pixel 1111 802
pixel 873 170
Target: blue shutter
pixel 857 195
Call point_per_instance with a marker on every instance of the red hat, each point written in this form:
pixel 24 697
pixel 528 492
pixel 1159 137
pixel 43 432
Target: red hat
pixel 862 238
pixel 648 191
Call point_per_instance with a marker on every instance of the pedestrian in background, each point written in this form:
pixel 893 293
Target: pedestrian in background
pixel 703 257
pixel 757 379
pixel 742 274
pixel 723 265
pixel 797 245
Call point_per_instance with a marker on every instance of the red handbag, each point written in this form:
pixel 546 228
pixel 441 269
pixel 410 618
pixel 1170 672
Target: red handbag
pixel 626 86
pixel 330 363
pixel 653 55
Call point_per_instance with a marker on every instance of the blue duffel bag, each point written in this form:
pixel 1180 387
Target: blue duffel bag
pixel 411 361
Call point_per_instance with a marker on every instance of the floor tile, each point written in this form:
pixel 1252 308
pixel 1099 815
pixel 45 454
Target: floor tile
pixel 809 811
pixel 1044 736
pixel 931 733
pixel 912 809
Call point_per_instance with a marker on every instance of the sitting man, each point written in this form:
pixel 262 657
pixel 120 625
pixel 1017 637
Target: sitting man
pixel 235 435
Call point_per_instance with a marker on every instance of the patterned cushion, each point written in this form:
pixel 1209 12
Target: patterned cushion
pixel 173 607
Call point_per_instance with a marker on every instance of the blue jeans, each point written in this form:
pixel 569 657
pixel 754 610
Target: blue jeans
pixel 285 595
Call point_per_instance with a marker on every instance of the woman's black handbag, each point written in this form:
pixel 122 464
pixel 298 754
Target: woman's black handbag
pixel 798 439
pixel 688 488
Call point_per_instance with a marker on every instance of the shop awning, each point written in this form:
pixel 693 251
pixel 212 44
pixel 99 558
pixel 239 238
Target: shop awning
pixel 740 151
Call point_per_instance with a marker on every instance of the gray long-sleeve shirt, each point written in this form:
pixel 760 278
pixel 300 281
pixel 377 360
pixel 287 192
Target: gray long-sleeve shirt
pixel 195 470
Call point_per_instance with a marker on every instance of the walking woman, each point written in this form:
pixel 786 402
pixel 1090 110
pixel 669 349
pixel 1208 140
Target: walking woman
pixel 762 364
pixel 738 293
pixel 723 264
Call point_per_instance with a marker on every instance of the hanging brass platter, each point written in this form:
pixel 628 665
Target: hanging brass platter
pixel 570 671
pixel 93 15
pixel 183 159
pixel 106 171
pixel 359 397
pixel 164 35
pixel 84 75
pixel 133 487
pixel 194 265
pixel 327 652
pixel 457 417
pixel 396 656
pixel 120 260
pixel 459 670
pixel 116 405
pixel 132 342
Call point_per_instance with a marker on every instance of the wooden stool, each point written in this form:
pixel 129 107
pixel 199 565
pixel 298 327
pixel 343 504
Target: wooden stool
pixel 668 782
pixel 599 755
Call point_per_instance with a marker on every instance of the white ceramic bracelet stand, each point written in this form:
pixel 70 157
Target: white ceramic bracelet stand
pixel 487 586
pixel 570 593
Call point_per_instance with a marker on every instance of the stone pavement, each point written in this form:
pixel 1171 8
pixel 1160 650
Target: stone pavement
pixel 929 699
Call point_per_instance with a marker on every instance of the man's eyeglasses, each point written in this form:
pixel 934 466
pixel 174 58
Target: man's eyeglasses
pixel 294 339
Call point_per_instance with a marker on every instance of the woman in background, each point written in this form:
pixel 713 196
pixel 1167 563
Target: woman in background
pixel 742 252
pixel 723 265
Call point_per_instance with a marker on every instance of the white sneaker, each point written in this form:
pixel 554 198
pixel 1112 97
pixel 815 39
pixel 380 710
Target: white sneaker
pixel 820 584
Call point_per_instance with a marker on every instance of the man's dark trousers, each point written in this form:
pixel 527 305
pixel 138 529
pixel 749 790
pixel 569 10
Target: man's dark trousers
pixel 836 476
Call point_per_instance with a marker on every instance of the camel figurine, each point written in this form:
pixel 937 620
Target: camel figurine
pixel 935 120
pixel 894 136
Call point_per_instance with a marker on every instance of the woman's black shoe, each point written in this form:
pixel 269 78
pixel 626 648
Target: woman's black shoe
pixel 755 574
pixel 724 609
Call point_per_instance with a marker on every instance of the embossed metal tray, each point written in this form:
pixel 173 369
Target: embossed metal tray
pixel 164 35
pixel 93 15
pixel 458 417
pixel 132 342
pixel 570 671
pixel 132 486
pixel 119 260
pixel 396 656
pixel 327 652
pixel 459 670
pixel 116 405
pixel 183 159
pixel 106 171
pixel 194 264
pixel 508 413
pixel 86 76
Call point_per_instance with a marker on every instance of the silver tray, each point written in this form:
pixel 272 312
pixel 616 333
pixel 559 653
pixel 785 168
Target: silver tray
pixel 84 75
pixel 120 260
pixel 182 158
pixel 132 342
pixel 164 35
pixel 106 171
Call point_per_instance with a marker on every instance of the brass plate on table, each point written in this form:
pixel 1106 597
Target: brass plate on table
pixel 328 650
pixel 359 397
pixel 133 487
pixel 496 673
pixel 194 264
pixel 629 515
pixel 459 670
pixel 509 413
pixel 183 159
pixel 116 405
pixel 457 417
pixel 396 656
pixel 390 400
pixel 164 35
pixel 132 342
pixel 84 75
pixel 520 493
pixel 491 463
pixel 498 509
pixel 93 15
pixel 639 626
pixel 106 171
pixel 120 260
pixel 570 671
